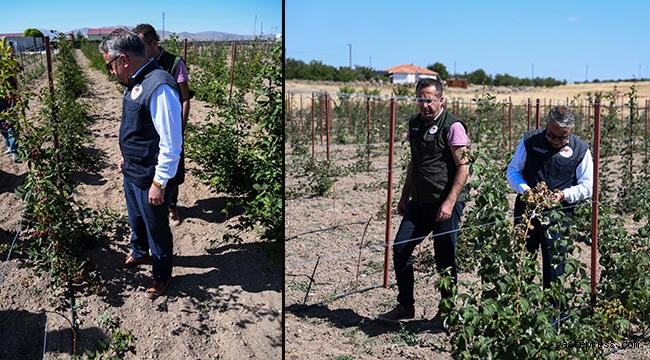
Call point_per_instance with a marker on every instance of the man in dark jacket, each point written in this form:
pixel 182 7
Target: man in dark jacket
pixel 564 162
pixel 150 141
pixel 432 199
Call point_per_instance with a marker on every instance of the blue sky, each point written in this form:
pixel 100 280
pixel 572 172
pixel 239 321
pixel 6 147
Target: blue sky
pixel 569 39
pixel 237 17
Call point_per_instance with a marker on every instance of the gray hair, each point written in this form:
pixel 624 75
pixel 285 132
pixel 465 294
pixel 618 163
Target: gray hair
pixel 123 41
pixel 563 116
pixel 427 82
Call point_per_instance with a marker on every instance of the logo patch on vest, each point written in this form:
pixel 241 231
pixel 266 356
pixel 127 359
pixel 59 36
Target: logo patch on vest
pixel 540 150
pixel 566 152
pixel 137 90
pixel 433 129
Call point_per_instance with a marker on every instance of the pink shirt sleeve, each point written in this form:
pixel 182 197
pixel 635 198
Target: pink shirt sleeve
pixel 457 135
pixel 181 72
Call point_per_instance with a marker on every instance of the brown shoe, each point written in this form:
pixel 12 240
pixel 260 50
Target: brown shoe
pixel 397 314
pixel 130 261
pixel 157 288
pixel 175 218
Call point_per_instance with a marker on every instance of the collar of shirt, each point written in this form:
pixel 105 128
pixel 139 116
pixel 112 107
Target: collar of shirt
pixel 160 54
pixel 140 69
pixel 428 123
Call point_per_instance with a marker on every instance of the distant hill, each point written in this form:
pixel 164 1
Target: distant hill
pixel 201 36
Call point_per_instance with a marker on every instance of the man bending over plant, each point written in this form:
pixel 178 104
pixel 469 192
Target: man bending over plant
pixel 561 160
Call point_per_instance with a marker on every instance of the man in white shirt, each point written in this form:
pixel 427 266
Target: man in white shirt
pixel 151 140
pixel 564 162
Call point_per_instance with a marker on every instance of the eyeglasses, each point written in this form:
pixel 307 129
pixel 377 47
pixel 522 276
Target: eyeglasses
pixel 426 101
pixel 553 136
pixel 108 64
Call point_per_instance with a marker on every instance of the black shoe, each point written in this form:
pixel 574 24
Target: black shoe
pixel 438 322
pixel 398 314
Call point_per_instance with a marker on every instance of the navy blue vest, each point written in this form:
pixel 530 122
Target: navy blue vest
pixel 138 137
pixel 556 167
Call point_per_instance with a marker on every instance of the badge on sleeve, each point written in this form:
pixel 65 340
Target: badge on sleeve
pixel 566 152
pixel 137 90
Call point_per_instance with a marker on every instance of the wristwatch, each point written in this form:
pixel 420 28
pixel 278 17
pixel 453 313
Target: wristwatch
pixel 158 185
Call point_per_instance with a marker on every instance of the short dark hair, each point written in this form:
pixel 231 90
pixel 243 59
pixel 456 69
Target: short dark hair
pixel 427 82
pixel 148 32
pixel 563 116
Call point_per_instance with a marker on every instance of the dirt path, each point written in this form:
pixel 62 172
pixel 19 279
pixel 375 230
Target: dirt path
pixel 224 301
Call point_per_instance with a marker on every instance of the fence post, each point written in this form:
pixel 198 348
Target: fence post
pixel 594 206
pixel 232 70
pixel 510 122
pixel 327 125
pixel 528 115
pixel 320 117
pixel 389 200
pixel 368 127
pixel 537 113
pixel 646 131
pixel 313 131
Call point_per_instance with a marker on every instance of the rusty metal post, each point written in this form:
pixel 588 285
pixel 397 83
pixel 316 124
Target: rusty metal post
pixel 537 113
pixel 594 206
pixel 327 125
pixel 389 186
pixel 510 122
pixel 185 51
pixel 232 70
pixel 646 131
pixel 313 131
pixel 302 121
pixel 55 132
pixel 528 116
pixel 368 127
pixel 320 117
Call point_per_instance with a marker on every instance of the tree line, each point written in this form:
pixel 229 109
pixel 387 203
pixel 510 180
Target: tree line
pixel 316 70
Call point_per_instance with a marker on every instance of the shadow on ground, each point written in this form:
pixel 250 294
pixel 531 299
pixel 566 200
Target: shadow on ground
pixel 347 318
pixel 23 336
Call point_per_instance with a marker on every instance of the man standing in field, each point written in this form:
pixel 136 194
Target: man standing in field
pixel 432 199
pixel 564 162
pixel 176 67
pixel 151 140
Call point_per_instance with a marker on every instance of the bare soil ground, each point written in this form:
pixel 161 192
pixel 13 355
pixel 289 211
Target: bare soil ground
pixel 324 235
pixel 224 301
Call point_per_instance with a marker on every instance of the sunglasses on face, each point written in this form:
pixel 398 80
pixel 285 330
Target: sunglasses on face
pixel 550 135
pixel 108 64
pixel 426 101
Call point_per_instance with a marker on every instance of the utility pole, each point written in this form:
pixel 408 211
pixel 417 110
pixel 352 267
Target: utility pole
pixel 163 37
pixel 370 61
pixel 533 76
pixel 350 45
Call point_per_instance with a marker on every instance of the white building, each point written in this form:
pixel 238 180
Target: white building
pixel 20 43
pixel 409 74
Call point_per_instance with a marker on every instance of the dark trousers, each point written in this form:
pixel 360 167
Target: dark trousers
pixel 540 235
pixel 172 193
pixel 150 230
pixel 418 222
